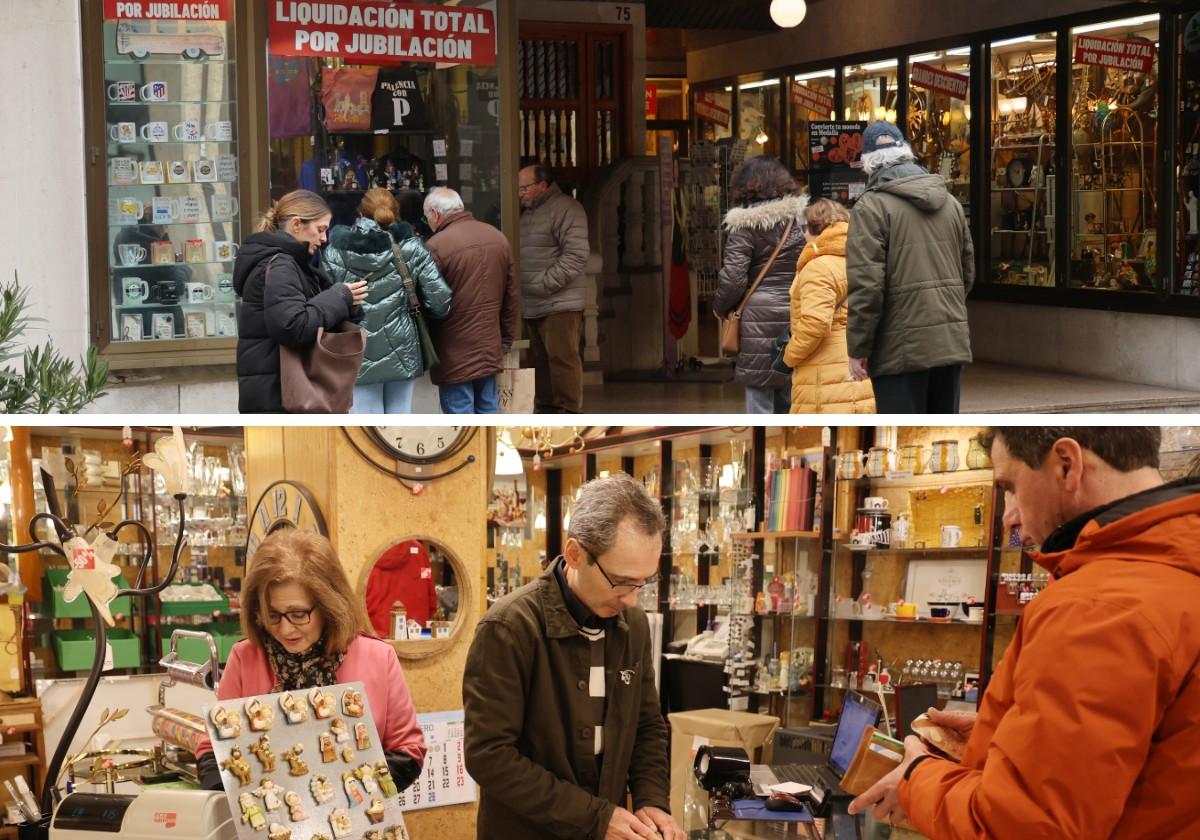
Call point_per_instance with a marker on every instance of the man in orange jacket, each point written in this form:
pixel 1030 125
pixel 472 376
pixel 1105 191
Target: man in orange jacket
pixel 1090 727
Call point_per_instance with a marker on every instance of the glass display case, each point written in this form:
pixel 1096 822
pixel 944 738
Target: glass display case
pixel 811 97
pixel 171 147
pixel 1022 155
pixel 1186 156
pixel 1114 134
pixel 871 90
pixel 939 117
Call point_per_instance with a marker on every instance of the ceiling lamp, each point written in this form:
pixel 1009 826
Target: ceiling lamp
pixel 788 13
pixel 508 460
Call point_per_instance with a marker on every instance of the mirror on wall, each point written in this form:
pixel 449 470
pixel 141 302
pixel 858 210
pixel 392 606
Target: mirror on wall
pixel 415 593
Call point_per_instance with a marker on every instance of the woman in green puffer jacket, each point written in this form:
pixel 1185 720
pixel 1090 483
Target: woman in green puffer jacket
pixel 392 361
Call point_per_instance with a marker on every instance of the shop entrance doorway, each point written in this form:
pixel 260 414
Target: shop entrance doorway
pixel 574 87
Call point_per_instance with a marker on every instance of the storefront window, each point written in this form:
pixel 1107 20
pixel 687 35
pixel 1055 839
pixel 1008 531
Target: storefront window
pixel 1187 156
pixel 871 91
pixel 666 114
pixel 811 99
pixel 714 114
pixel 1114 128
pixel 341 123
pixel 1021 163
pixel 939 117
pixel 172 184
pixel 759 120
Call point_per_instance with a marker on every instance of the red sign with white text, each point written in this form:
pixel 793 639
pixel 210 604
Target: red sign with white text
pixel 954 85
pixel 377 32
pixel 143 10
pixel 1115 53
pixel 814 100
pixel 706 109
pixel 651 101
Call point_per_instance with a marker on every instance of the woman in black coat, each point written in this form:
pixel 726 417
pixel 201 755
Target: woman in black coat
pixel 767 200
pixel 298 300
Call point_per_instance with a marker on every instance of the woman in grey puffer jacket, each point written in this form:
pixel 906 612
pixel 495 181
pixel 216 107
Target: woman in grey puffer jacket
pixel 767 198
pixel 392 361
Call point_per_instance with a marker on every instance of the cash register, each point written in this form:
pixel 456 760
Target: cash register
pixel 151 815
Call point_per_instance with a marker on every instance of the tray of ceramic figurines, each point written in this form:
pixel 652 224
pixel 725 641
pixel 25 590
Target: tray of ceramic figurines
pixel 305 765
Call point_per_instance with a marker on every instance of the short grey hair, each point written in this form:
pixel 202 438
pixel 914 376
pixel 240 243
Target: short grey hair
pixel 885 157
pixel 444 200
pixel 604 503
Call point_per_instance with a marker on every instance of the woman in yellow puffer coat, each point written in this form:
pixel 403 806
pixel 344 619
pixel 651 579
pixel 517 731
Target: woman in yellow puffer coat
pixel 816 352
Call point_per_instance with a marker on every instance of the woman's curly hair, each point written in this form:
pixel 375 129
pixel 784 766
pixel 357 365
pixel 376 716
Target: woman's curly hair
pixel 761 179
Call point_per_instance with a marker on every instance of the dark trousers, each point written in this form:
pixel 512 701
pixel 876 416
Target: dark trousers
pixel 557 364
pixel 933 391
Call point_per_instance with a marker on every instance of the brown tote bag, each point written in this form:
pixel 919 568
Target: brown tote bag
pixel 731 327
pixel 319 379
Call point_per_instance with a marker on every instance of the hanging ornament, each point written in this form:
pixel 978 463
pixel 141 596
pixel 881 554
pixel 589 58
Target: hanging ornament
pixel 788 13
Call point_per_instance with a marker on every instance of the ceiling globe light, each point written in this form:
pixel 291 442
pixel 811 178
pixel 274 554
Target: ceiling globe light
pixel 788 13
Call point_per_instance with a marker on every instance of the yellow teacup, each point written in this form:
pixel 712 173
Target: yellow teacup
pixel 905 610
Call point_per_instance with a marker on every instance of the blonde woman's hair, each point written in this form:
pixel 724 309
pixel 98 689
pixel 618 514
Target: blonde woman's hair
pixel 823 212
pixel 293 556
pixel 381 206
pixel 302 204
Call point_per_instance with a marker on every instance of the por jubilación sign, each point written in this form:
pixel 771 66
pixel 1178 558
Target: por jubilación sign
pixel 380 33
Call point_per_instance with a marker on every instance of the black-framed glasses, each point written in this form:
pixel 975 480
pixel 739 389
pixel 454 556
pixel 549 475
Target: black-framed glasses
pixel 620 587
pixel 296 618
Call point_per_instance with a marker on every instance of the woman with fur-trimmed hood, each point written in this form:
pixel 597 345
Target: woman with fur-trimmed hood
pixel 767 198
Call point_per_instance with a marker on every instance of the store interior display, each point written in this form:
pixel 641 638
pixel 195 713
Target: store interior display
pixel 811 98
pixel 939 117
pixel 1187 155
pixel 172 162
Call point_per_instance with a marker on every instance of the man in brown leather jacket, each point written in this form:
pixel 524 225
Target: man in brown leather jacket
pixel 562 716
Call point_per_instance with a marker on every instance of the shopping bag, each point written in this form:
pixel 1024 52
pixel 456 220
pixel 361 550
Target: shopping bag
pixel 516 390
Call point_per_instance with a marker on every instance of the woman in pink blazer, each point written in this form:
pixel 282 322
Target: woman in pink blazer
pixel 304 628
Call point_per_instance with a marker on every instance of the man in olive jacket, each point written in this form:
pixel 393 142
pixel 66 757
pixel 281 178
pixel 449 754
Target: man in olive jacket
pixel 910 266
pixel 554 255
pixel 562 717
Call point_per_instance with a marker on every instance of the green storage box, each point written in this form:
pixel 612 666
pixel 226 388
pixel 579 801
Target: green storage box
pixel 76 649
pixel 225 634
pixel 192 607
pixel 53 582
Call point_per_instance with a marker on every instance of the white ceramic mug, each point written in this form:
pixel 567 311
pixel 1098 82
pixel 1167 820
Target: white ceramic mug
pixel 155 132
pixel 200 293
pixel 224 208
pixel 153 92
pixel 875 503
pixel 951 536
pixel 166 210
pixel 880 461
pixel 123 132
pixel 221 131
pixel 225 289
pixel 224 250
pixel 179 172
pixel 189 209
pixel 187 130
pixel 123 91
pixel 134 290
pixel 850 464
pixel 204 171
pixel 129 211
pixel 131 254
pixel 943 456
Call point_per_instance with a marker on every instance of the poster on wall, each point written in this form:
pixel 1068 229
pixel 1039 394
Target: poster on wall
pixel 836 168
pixel 509 504
pixel 381 33
pixel 444 779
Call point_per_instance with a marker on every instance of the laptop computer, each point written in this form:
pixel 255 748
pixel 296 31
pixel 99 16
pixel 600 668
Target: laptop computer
pixel 858 712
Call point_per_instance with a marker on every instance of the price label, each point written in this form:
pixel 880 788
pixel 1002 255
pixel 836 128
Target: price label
pixel 83 558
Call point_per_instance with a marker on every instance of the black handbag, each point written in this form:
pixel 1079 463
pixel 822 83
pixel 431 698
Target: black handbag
pixel 429 356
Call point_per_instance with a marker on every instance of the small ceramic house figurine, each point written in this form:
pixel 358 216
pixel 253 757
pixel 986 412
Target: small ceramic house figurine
pixel 375 811
pixel 270 794
pixel 353 792
pixel 322 702
pixel 228 724
pixel 295 806
pixel 260 715
pixel 396 832
pixel 328 750
pixel 339 730
pixel 386 783
pixel 366 775
pixel 252 815
pixel 339 821
pixel 322 790
pixel 297 766
pixel 352 703
pixel 373 834
pixel 278 832
pixel 262 751
pixel 348 754
pixel 238 766
pixel 294 710
pixel 362 739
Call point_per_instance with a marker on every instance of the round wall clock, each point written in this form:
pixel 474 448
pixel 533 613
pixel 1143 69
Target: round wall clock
pixel 420 444
pixel 284 504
